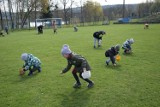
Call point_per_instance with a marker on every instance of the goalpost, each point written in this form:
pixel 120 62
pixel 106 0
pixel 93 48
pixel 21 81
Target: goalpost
pixel 48 22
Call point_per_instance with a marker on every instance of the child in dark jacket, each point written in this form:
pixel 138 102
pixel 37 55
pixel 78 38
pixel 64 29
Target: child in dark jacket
pixel 111 53
pixel 40 29
pixel 1 34
pixel 80 65
pixel 54 27
pixel 31 63
pixel 6 29
pixel 98 37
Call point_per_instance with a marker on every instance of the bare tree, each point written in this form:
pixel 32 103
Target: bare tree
pixel 155 8
pixel 10 13
pixel 56 10
pixel 5 12
pixel 88 11
pixel 123 9
pixel 17 13
pixel 82 15
pixel 92 11
pixel 25 8
pixel 35 13
pixel 72 1
pixel 65 9
pixel 37 8
pixel 142 10
pixel 1 20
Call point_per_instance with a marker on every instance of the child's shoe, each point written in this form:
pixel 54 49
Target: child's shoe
pixel 39 69
pixel 107 63
pixel 90 85
pixel 29 74
pixel 77 85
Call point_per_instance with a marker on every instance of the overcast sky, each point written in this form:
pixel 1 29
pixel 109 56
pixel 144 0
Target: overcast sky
pixel 111 2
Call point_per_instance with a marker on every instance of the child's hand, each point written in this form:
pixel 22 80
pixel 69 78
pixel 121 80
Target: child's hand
pixel 84 70
pixel 61 72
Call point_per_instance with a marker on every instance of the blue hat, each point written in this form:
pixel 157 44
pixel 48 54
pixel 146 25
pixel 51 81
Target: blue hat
pixel 24 56
pixel 65 49
pixel 131 40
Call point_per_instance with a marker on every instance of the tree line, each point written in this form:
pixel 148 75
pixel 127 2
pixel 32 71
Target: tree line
pixel 17 13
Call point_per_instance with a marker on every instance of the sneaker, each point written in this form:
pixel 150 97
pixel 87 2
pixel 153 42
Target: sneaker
pixel 77 85
pixel 39 70
pixel 90 85
pixel 107 63
pixel 125 51
pixel 99 45
pixel 29 74
pixel 114 64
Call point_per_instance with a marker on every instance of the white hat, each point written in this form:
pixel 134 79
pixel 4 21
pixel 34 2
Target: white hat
pixel 86 74
pixel 131 40
pixel 24 56
pixel 65 49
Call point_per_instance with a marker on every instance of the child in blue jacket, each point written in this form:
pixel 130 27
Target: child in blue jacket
pixel 127 46
pixel 31 63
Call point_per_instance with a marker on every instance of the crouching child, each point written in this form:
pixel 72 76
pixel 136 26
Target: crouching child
pixel 111 53
pixel 40 29
pixel 127 46
pixel 146 26
pixel 98 37
pixel 81 66
pixel 1 34
pixel 75 28
pixel 31 63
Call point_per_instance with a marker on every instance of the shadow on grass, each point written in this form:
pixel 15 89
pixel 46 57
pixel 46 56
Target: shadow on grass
pixel 76 98
pixel 128 55
pixel 25 76
pixel 117 68
pixel 98 48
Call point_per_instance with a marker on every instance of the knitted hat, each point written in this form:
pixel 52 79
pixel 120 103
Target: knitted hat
pixel 65 50
pixel 117 47
pixel 103 32
pixel 131 40
pixel 24 56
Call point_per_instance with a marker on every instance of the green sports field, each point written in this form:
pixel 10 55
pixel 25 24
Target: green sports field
pixel 135 82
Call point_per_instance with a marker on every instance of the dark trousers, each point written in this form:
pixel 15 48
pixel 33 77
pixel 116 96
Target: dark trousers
pixel 31 70
pixel 127 49
pixel 1 34
pixel 6 30
pixel 55 30
pixel 74 73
